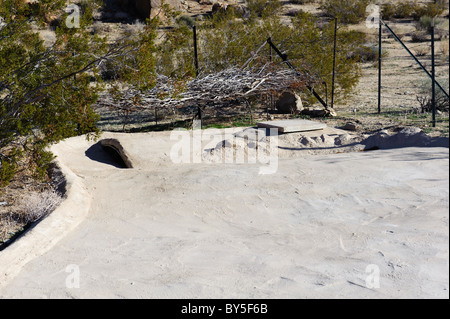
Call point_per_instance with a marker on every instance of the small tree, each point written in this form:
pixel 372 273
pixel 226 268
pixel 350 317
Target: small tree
pixel 46 94
pixel 231 42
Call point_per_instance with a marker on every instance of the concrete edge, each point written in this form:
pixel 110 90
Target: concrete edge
pixel 43 236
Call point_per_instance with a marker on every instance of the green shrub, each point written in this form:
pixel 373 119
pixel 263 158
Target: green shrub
pixel 442 102
pixel 187 20
pixel 405 9
pixel 430 10
pixel 308 46
pixel 264 8
pixel 46 94
pixel 388 11
pixel 347 11
pixel 417 37
pixel 412 9
pixel 8 168
pixel 424 23
pixel 368 53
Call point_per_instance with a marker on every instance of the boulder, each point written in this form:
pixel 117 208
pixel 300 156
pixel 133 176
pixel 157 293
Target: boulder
pixel 289 103
pixel 319 112
pixel 350 126
pixel 151 8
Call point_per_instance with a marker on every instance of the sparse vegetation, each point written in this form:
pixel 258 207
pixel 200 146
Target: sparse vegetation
pixel 412 9
pixel 347 11
pixel 35 206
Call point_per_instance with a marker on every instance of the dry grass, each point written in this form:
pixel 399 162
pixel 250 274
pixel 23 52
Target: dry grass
pixel 36 205
pixel 25 209
pixel 24 201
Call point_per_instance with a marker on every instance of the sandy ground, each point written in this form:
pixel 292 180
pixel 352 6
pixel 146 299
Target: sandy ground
pixel 326 223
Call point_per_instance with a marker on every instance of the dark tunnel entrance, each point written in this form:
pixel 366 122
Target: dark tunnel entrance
pixel 109 152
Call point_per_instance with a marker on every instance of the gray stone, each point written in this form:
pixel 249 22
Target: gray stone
pixel 307 141
pixel 350 126
pixel 289 103
pixel 342 139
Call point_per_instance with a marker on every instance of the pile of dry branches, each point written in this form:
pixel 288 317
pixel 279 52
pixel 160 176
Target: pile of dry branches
pixel 217 88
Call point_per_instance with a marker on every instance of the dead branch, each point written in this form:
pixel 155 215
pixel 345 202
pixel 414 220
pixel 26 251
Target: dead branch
pixel 218 88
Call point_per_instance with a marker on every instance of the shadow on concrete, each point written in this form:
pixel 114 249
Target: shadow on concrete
pixel 106 155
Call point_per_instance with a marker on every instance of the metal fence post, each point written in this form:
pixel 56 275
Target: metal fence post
pixel 334 64
pixel 433 75
pixel 379 65
pixel 195 51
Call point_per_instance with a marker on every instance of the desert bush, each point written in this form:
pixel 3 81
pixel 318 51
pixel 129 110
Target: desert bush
pixel 263 8
pixel 368 53
pixel 309 47
pixel 412 9
pixel 34 206
pixel 387 11
pixel 405 9
pixel 187 20
pixel 420 37
pixel 431 9
pixel 347 11
pixel 424 96
pixel 424 24
pixel 421 51
pixel 444 48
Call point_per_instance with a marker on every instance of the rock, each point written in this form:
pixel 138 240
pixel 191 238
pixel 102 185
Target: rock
pixel 307 141
pixel 350 126
pixel 343 139
pixel 206 2
pixel 330 112
pixel 318 112
pixel 327 139
pixel 289 103
pixel 151 8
